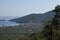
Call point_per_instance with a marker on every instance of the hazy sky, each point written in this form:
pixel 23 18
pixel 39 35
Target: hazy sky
pixel 25 7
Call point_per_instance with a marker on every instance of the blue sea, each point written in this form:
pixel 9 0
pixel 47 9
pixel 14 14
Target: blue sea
pixel 8 23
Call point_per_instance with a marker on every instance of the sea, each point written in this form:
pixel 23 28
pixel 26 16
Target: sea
pixel 6 22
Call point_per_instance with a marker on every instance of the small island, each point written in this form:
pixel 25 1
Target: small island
pixel 2 20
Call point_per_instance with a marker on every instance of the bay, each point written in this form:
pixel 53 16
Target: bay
pixel 8 23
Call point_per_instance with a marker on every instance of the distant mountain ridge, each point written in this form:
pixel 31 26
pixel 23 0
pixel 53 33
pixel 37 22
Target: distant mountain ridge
pixel 35 18
pixel 7 17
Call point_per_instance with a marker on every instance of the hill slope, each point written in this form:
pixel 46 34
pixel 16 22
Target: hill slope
pixel 35 18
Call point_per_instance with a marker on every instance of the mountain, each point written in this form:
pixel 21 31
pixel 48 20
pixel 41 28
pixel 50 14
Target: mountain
pixel 35 18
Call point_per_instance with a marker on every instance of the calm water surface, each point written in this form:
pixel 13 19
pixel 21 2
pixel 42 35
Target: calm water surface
pixel 8 23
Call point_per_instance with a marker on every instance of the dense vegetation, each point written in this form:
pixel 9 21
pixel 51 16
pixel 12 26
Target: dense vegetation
pixel 52 29
pixel 33 31
pixel 19 32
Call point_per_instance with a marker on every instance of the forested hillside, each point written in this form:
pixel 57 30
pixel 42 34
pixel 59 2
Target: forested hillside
pixel 35 18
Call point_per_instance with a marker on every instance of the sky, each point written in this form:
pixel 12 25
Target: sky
pixel 25 7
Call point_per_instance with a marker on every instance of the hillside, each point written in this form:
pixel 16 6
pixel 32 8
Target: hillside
pixel 35 18
pixel 16 32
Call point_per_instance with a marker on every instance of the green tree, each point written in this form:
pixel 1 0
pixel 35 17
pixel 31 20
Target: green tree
pixel 52 29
